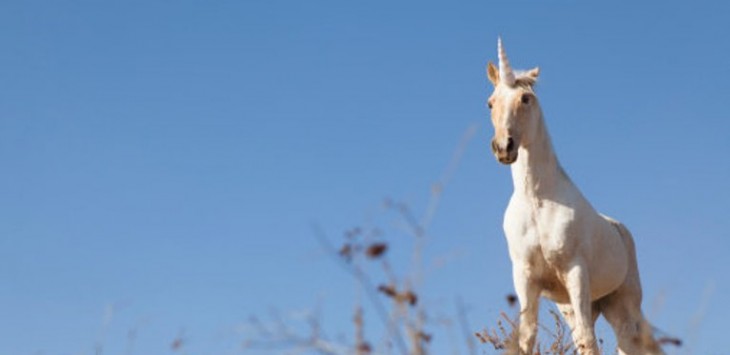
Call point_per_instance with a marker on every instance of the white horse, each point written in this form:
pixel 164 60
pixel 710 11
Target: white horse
pixel 560 247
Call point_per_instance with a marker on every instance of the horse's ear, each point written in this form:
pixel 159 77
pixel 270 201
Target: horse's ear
pixel 493 73
pixel 534 72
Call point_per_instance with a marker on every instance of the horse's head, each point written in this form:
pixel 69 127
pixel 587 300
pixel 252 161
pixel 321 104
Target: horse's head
pixel 514 106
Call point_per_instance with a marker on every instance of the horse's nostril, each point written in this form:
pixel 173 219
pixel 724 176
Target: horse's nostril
pixel 510 144
pixel 494 146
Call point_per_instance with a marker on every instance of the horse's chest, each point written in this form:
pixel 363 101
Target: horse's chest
pixel 544 231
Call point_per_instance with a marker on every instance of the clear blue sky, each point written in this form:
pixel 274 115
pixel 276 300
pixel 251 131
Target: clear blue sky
pixel 168 157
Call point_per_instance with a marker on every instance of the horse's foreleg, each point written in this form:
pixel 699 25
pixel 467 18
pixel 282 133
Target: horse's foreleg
pixel 578 286
pixel 567 311
pixel 528 294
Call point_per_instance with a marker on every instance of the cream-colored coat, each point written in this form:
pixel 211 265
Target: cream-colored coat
pixel 560 247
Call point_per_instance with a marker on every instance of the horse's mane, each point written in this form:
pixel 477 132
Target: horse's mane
pixel 524 81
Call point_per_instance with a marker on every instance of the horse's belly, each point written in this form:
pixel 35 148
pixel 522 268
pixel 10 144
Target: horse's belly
pixel 552 288
pixel 608 261
pixel 550 280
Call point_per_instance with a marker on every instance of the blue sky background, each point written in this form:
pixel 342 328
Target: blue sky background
pixel 168 158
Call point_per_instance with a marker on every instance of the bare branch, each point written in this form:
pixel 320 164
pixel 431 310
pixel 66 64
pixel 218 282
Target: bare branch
pixel 367 285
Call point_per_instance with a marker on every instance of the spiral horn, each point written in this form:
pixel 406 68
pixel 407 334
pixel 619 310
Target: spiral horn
pixel 506 75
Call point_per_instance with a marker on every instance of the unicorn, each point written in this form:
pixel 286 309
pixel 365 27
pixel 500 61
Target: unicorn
pixel 560 247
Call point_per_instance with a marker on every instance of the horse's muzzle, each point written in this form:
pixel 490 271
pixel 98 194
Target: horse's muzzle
pixel 505 150
pixel 507 159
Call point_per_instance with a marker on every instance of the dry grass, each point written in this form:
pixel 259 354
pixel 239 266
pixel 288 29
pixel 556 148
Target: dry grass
pixel 504 337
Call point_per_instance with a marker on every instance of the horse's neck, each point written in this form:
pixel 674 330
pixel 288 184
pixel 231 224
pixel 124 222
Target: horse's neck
pixel 537 171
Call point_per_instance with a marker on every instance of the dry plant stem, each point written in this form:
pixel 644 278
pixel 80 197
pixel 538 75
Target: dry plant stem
pixel 415 329
pixel 367 285
pixel 283 337
pixel 419 231
pixel 559 343
pixel 438 188
pixel 319 345
pixel 361 347
pixel 388 270
pixel 401 310
pixel 464 325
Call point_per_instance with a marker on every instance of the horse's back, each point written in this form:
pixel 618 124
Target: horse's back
pixel 624 232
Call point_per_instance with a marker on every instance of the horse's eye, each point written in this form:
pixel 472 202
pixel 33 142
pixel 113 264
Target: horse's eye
pixel 525 98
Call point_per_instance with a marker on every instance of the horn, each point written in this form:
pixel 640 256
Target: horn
pixel 506 74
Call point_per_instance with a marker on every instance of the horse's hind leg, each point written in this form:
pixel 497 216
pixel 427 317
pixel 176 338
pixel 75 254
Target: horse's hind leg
pixel 622 310
pixel 633 333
